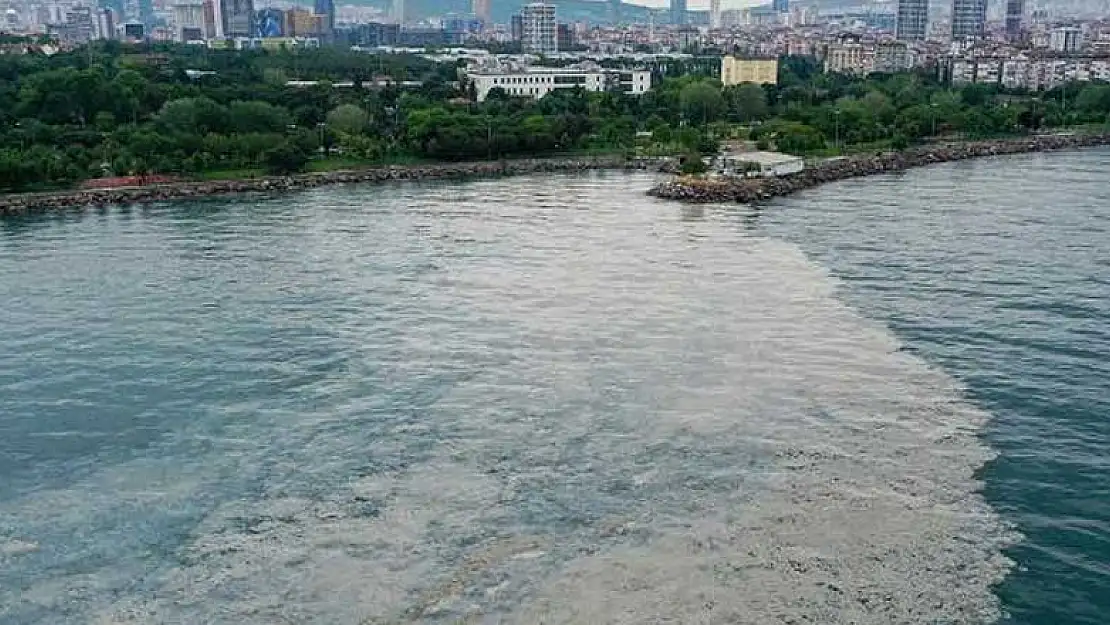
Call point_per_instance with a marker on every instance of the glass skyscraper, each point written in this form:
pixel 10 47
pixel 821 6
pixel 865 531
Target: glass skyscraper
pixel 678 11
pixel 327 9
pixel 237 18
pixel 912 20
pixel 969 19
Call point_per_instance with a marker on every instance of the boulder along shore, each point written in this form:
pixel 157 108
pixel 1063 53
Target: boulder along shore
pixel 21 203
pixel 747 190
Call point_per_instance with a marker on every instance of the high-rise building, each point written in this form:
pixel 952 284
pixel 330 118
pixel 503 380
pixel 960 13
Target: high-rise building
pixel 301 23
pixel 780 6
pixel 187 16
pixel 116 6
pixel 105 24
pixel 79 26
pixel 565 37
pixel 539 30
pixel 326 8
pixel 398 11
pixel 714 13
pixel 1066 39
pixel 969 19
pixel 269 22
pixel 237 18
pixel 615 11
pixel 375 34
pixel 209 19
pixel 678 11
pixel 1015 14
pixel 516 27
pixel 146 14
pixel 912 20
pixel 482 9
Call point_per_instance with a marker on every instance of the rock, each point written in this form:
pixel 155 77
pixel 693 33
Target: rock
pixel 21 203
pixel 747 190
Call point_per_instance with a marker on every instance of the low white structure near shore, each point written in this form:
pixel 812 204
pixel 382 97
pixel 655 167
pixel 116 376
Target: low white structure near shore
pixel 764 164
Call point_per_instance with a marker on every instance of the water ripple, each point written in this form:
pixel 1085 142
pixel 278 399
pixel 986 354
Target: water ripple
pixel 1004 281
pixel 545 399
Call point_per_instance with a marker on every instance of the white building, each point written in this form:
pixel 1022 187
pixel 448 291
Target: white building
pixel 892 57
pixel 1015 72
pixel 1067 40
pixel 962 71
pixel 105 24
pixel 539 30
pixel 850 57
pixel 1031 72
pixel 988 71
pixel 536 82
pixel 765 164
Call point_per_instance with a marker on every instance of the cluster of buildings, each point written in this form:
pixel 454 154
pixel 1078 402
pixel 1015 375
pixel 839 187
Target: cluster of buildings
pixel 1029 71
pixel 238 20
pixel 1017 47
pixel 75 22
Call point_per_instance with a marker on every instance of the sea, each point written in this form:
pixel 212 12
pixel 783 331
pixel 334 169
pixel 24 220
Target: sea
pixel 553 399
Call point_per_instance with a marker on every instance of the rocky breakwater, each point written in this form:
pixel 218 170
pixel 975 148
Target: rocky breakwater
pixel 748 190
pixel 20 203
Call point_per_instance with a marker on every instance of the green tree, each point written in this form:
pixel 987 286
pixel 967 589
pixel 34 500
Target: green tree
pixel 285 158
pixel 257 116
pixel 193 115
pixel 1093 102
pixel 747 102
pixel 702 102
pixel 692 163
pixel 795 138
pixel 361 146
pixel 348 119
pixel 540 132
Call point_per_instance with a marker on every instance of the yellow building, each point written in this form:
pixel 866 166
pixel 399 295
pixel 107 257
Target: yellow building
pixel 736 71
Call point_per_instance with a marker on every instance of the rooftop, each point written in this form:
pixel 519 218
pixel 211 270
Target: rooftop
pixel 764 159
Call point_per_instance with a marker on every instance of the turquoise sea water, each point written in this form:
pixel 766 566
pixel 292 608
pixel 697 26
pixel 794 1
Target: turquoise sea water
pixel 557 400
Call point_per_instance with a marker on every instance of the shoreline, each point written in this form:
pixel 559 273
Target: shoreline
pixel 748 190
pixel 682 188
pixel 15 204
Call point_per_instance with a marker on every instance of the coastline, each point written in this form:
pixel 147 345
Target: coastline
pixel 748 190
pixel 682 188
pixel 14 204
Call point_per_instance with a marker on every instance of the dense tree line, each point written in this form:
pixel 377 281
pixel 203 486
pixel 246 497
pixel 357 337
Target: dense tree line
pixel 119 110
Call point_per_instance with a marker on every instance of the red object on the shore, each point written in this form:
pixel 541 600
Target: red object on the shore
pixel 126 181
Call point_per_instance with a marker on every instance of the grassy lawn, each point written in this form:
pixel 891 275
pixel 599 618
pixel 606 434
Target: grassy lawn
pixel 332 163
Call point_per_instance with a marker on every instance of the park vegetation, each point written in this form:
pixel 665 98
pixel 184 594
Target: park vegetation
pixel 114 110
